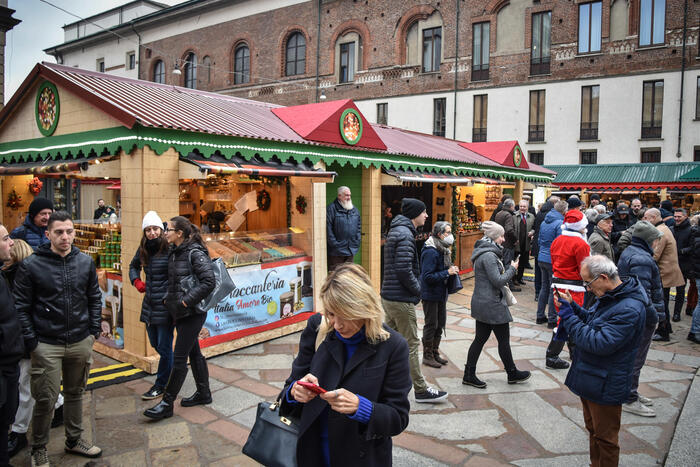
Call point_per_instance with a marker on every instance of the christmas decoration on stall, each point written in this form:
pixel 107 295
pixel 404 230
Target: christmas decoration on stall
pixel 35 186
pixel 264 200
pixel 455 219
pixel 301 204
pixel 14 200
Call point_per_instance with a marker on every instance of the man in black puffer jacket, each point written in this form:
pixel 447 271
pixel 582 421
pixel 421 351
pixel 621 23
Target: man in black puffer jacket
pixel 11 351
pixel 401 288
pixel 684 245
pixel 59 303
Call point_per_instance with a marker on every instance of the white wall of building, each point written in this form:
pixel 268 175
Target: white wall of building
pixel 620 117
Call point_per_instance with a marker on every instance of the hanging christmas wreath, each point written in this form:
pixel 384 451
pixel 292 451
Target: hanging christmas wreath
pixel 14 201
pixel 264 200
pixel 35 186
pixel 301 204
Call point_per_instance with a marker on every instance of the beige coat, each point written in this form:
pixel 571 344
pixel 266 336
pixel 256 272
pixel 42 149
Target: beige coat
pixel 666 256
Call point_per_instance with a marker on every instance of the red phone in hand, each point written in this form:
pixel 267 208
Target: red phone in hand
pixel 311 387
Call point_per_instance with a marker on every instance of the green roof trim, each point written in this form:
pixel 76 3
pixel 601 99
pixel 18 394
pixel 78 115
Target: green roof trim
pixel 693 175
pixel 599 174
pixel 64 148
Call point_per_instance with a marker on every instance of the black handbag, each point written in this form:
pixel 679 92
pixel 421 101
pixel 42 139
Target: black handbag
pixel 454 284
pixel 224 283
pixel 273 439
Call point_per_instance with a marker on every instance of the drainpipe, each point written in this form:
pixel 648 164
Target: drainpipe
pixel 680 107
pixel 138 51
pixel 318 46
pixel 454 116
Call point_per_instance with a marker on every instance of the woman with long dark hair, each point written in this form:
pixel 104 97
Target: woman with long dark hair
pixel 188 256
pixel 152 257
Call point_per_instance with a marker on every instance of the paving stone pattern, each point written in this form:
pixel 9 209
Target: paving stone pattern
pixel 537 423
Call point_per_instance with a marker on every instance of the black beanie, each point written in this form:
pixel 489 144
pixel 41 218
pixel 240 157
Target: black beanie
pixel 412 208
pixel 667 205
pixel 38 205
pixel 573 202
pixel 595 196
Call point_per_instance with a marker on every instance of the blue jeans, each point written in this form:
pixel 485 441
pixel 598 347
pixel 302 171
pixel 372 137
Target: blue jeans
pixel 161 338
pixel 639 359
pixel 546 295
pixel 695 324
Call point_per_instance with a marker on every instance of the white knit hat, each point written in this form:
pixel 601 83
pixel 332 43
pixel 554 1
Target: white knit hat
pixel 151 219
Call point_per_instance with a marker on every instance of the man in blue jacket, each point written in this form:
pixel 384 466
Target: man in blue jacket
pixel 549 230
pixel 606 338
pixel 401 289
pixel 33 229
pixel 343 229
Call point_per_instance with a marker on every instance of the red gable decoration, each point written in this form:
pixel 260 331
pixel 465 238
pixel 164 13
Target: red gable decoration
pixel 506 153
pixel 335 122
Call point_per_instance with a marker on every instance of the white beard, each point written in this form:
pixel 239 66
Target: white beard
pixel 346 205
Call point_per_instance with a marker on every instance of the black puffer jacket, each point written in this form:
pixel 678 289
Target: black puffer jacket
pixel 684 244
pixel 11 343
pixel 178 269
pixel 153 309
pixel 695 245
pixel 58 299
pixel 401 266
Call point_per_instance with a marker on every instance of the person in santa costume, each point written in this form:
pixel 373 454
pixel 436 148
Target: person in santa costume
pixel 568 250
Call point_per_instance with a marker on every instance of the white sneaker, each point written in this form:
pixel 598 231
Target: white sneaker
pixel 637 408
pixel 645 400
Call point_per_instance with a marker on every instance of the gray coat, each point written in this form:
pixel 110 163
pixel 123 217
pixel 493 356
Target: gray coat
pixel 600 244
pixel 486 305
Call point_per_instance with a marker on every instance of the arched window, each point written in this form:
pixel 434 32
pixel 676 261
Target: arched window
pixel 159 72
pixel 241 65
pixel 191 71
pixel 206 69
pixel 296 55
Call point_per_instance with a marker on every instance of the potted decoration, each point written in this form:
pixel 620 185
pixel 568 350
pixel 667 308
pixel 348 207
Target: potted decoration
pixel 14 201
pixel 35 186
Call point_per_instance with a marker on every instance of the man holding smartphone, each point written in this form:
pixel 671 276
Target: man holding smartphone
pixel 567 251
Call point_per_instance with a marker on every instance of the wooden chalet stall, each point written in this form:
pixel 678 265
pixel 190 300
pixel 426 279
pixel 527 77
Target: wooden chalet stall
pixel 253 175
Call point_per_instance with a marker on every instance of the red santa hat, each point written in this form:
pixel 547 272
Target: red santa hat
pixel 575 220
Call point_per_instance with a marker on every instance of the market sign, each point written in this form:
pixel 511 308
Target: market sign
pixel 266 296
pixel 517 156
pixel 351 126
pixel 47 108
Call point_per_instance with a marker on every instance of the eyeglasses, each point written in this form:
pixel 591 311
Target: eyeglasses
pixel 587 284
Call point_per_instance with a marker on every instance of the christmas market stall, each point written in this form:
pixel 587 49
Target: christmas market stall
pixel 256 178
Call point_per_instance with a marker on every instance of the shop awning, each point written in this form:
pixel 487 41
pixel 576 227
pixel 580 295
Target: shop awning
pixel 625 176
pixel 218 164
pixel 693 175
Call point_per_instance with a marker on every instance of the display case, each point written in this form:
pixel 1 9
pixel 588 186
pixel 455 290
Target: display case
pixel 245 248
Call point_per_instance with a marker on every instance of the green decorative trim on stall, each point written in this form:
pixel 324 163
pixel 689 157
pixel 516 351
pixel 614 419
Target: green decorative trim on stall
pixel 112 140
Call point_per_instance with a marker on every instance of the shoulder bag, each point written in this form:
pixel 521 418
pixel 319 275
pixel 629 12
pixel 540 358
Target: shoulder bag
pixel 224 284
pixel 273 439
pixel 454 284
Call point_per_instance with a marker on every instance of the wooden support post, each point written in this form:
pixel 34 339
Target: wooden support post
pixel 319 248
pixel 149 183
pixel 518 192
pixel 372 223
pixel 663 195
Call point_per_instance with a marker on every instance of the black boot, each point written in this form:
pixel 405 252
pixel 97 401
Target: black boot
pixel 202 395
pixel 556 363
pixel 436 353
pixel 516 376
pixel 553 350
pixel 164 408
pixel 676 317
pixel 16 442
pixel 470 378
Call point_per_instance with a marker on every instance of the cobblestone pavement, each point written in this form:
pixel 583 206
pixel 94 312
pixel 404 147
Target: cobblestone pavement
pixel 538 423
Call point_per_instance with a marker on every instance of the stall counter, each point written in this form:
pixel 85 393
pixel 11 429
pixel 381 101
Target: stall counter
pixel 465 247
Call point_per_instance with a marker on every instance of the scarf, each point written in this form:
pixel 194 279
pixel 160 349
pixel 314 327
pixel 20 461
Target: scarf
pixel 436 243
pixel 492 242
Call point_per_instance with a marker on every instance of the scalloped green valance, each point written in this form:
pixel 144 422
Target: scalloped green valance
pixel 80 146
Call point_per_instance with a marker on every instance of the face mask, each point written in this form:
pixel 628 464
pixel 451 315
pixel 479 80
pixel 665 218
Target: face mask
pixel 449 240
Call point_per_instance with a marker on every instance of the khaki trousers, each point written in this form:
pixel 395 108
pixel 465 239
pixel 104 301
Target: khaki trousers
pixel 50 364
pixel 401 317
pixel 603 425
